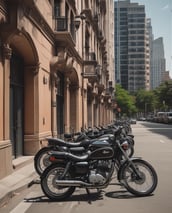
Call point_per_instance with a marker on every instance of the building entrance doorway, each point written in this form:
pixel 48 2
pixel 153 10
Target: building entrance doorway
pixel 60 105
pixel 16 104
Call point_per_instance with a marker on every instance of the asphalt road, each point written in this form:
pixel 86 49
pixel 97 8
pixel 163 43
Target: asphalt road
pixel 153 142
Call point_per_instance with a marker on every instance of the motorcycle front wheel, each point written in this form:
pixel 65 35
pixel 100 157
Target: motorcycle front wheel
pixel 49 186
pixel 139 177
pixel 130 151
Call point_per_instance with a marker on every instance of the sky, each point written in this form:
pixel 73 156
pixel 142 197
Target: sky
pixel 160 12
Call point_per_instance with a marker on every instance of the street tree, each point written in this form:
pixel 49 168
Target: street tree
pixel 125 102
pixel 164 96
pixel 146 101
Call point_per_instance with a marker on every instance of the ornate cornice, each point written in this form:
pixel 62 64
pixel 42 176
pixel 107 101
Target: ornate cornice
pixel 33 14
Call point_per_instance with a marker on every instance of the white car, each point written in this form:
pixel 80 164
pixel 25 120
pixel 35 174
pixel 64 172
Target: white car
pixel 133 121
pixel 142 119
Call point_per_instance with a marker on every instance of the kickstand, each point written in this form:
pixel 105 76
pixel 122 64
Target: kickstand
pixel 37 181
pixel 88 192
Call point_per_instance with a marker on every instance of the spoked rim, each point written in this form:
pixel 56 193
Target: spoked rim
pixel 44 162
pixel 142 184
pixel 51 177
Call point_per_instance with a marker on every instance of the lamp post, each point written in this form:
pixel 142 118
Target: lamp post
pixel 77 24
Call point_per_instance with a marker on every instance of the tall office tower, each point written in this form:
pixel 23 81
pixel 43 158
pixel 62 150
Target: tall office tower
pixel 158 62
pixel 148 59
pixel 151 38
pixel 131 46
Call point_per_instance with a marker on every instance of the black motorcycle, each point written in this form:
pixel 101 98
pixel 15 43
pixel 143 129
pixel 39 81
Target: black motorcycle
pixel 95 170
pixel 41 159
pixel 79 146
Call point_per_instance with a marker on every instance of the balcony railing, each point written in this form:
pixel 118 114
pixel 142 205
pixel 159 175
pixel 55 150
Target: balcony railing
pixel 90 69
pixel 65 31
pixel 61 23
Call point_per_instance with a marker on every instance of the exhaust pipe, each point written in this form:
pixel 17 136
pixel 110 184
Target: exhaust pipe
pixel 72 183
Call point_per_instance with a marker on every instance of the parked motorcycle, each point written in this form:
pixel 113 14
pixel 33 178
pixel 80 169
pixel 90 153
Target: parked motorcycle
pixel 95 170
pixel 80 146
pixel 41 159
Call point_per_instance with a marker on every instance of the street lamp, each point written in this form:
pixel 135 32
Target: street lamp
pixel 81 18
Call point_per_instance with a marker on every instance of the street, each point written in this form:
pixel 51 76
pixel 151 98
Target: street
pixel 153 142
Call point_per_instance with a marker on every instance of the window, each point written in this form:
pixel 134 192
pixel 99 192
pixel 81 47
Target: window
pixel 56 8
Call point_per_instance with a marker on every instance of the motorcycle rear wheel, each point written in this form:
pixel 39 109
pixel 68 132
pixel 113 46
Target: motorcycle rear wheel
pixel 41 159
pixel 140 183
pixel 49 186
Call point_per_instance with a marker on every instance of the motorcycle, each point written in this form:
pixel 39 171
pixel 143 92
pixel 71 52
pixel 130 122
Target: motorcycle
pixel 41 159
pixel 95 169
pixel 80 146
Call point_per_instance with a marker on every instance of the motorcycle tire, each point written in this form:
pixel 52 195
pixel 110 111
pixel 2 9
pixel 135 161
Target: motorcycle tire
pixel 140 185
pixel 49 186
pixel 41 161
pixel 130 151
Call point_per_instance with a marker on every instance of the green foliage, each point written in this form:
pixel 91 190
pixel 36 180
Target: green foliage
pixel 159 99
pixel 146 101
pixel 164 95
pixel 125 101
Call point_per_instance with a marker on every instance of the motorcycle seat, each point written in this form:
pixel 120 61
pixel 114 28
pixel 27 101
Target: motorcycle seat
pixel 60 142
pixel 69 156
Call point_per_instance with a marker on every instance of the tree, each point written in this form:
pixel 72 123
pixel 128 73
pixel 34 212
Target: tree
pixel 146 101
pixel 125 102
pixel 164 96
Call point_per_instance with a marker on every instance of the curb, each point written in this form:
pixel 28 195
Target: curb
pixel 4 199
pixel 19 180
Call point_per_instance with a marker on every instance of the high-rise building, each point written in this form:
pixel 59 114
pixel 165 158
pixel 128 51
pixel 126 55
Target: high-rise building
pixel 131 46
pixel 158 62
pixel 151 38
pixel 166 76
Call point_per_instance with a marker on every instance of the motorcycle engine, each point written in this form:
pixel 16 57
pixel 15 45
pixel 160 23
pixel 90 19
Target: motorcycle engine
pixel 100 173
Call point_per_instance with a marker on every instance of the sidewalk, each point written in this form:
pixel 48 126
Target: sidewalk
pixel 24 174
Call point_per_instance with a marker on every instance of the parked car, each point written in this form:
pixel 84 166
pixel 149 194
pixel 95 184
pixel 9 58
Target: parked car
pixel 133 121
pixel 167 117
pixel 142 119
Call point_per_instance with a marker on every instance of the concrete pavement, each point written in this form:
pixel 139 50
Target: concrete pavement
pixel 23 175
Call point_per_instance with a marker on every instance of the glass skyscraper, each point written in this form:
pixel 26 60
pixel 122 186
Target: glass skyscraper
pixel 132 61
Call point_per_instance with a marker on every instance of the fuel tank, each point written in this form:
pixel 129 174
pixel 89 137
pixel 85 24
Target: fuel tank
pixel 105 152
pixel 98 144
